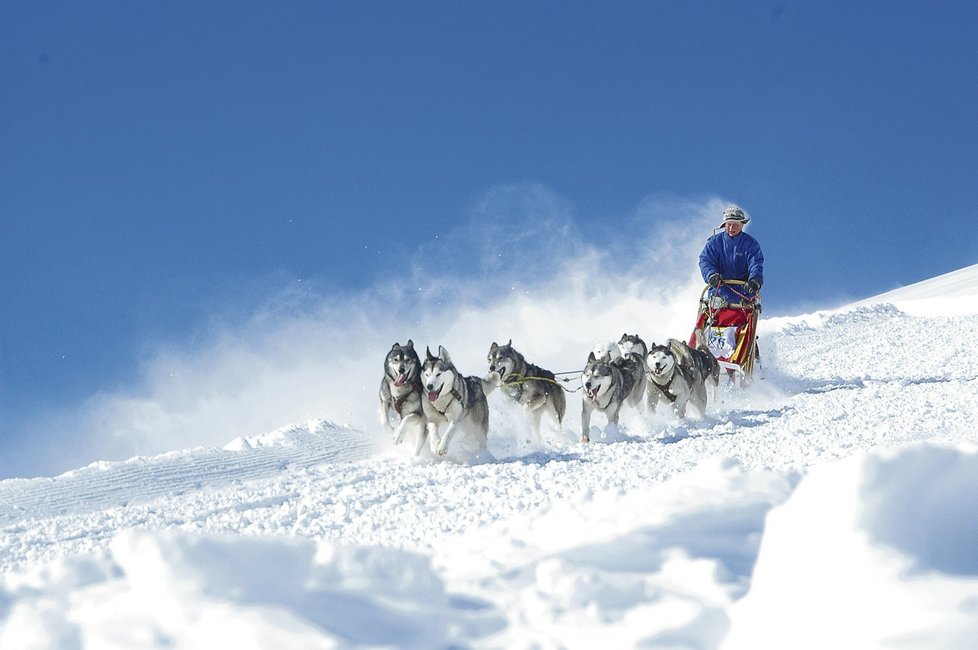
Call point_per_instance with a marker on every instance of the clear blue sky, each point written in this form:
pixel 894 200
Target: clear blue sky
pixel 162 161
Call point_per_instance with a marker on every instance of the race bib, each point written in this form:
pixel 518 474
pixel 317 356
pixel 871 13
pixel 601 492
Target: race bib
pixel 722 341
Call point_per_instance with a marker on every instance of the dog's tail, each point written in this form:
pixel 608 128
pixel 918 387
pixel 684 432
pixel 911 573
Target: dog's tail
pixel 682 351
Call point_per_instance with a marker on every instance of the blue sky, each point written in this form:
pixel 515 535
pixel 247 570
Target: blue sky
pixel 168 166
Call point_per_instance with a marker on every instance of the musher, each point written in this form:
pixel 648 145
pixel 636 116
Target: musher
pixel 732 255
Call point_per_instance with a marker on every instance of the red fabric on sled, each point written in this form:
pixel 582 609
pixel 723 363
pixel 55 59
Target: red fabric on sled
pixel 741 318
pixel 731 317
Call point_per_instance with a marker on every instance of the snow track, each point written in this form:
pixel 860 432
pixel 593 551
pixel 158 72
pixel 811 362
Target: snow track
pixel 107 485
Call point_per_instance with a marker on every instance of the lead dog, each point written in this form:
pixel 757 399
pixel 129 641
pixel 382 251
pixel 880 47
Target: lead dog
pixel 529 385
pixel 453 401
pixel 606 388
pixel 400 395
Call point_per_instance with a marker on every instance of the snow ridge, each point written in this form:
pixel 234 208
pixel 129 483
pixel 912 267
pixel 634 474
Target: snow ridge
pixel 107 485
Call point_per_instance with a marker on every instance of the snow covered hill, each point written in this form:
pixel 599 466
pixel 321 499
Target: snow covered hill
pixel 834 505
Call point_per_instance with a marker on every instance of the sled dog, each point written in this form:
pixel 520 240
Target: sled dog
pixel 401 393
pixel 606 388
pixel 632 362
pixel 452 401
pixel 667 379
pixel 610 348
pixel 680 374
pixel 633 343
pixel 700 360
pixel 531 386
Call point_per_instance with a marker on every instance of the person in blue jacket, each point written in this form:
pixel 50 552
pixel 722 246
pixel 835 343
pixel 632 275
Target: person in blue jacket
pixel 732 255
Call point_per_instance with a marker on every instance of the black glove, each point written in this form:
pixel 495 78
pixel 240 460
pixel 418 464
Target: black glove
pixel 752 285
pixel 714 280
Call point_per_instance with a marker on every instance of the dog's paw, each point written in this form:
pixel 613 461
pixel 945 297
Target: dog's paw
pixel 585 439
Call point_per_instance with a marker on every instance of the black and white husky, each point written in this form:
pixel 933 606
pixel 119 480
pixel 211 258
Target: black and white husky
pixel 400 395
pixel 680 374
pixel 452 401
pixel 701 361
pixel 607 387
pixel 530 385
pixel 632 360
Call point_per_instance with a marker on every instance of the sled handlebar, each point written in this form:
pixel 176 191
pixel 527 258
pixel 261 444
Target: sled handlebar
pixel 733 283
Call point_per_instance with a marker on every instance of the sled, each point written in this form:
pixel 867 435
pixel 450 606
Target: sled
pixel 730 331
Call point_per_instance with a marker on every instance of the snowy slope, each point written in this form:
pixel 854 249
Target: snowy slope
pixel 833 505
pixel 951 293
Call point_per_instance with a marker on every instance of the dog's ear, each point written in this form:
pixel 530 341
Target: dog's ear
pixel 443 355
pixel 510 344
pixel 394 347
pixel 427 354
pixel 493 347
pixel 623 337
pixel 591 358
pixel 410 344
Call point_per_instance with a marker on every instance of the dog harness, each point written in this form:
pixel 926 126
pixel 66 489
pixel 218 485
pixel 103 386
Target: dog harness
pixel 669 396
pixel 514 385
pixel 399 403
pixel 662 389
pixel 455 395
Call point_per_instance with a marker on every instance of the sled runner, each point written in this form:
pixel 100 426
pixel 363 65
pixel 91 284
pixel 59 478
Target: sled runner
pixel 730 331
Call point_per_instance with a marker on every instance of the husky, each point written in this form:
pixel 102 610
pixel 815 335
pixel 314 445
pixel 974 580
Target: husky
pixel 531 386
pixel 606 388
pixel 680 374
pixel 700 360
pixel 667 379
pixel 453 400
pixel 400 395
pixel 632 343
pixel 610 348
pixel 632 361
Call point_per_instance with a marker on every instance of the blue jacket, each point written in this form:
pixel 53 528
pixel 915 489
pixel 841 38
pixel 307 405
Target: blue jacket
pixel 734 258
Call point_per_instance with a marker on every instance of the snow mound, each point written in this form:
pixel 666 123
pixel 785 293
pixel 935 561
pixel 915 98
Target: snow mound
pixel 293 435
pixel 897 530
pixel 170 590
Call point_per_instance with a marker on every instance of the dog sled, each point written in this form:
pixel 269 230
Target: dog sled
pixel 730 332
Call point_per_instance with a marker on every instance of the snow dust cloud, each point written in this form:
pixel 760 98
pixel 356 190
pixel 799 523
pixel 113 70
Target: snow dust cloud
pixel 522 266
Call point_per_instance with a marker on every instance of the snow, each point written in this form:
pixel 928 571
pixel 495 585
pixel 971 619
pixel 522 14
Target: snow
pixel 832 505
